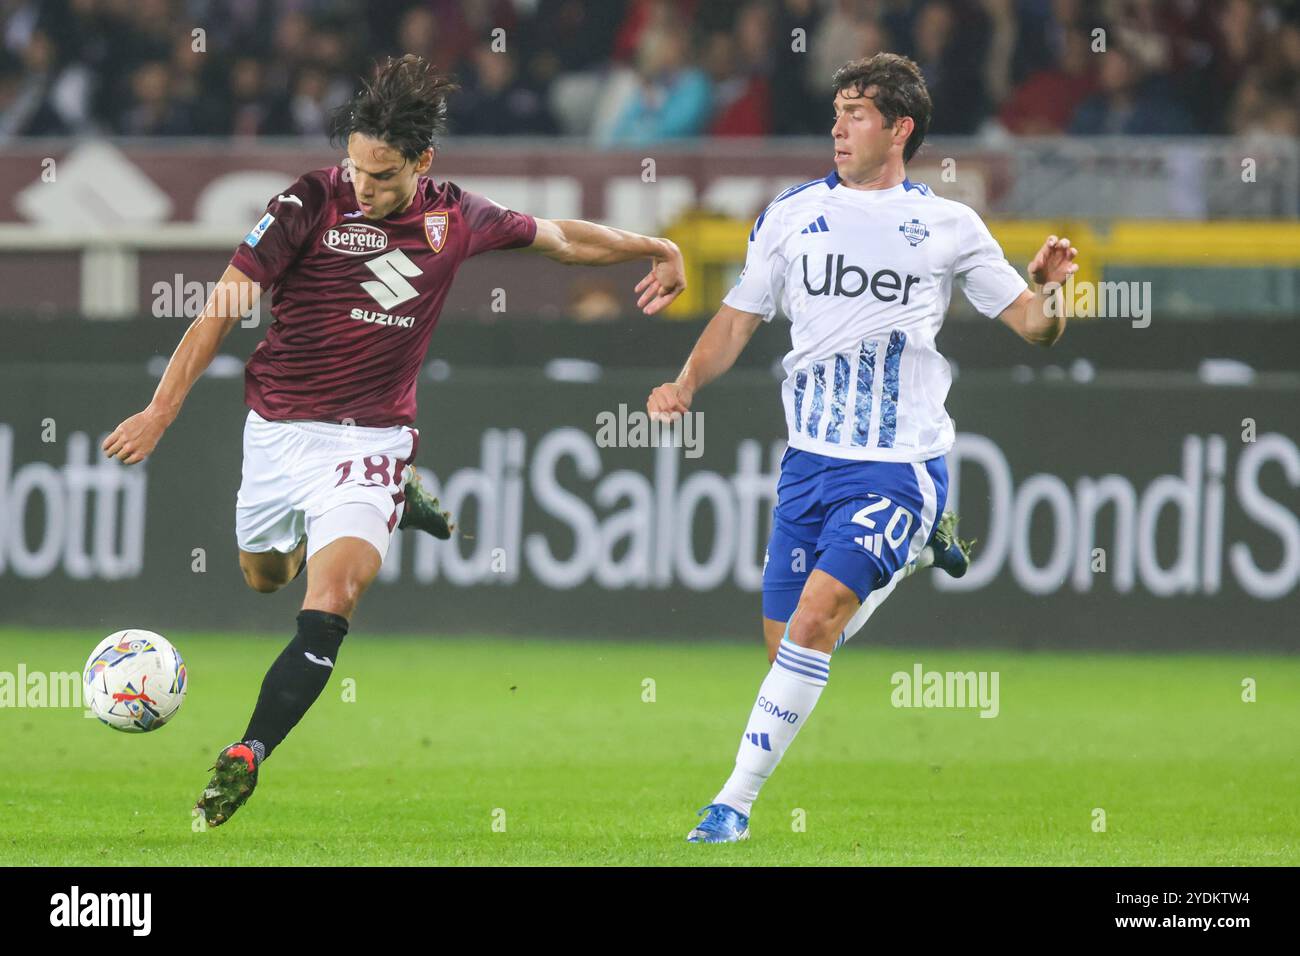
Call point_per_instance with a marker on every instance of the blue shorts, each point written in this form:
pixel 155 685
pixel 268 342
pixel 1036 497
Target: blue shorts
pixel 858 521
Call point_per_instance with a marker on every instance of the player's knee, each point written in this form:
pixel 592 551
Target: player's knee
pixel 814 627
pixel 339 597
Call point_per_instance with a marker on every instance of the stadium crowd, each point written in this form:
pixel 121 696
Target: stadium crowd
pixel 631 72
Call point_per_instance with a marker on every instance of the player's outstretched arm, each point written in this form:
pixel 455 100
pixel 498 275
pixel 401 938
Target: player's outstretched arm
pixel 135 439
pixel 719 345
pixel 1038 315
pixel 576 242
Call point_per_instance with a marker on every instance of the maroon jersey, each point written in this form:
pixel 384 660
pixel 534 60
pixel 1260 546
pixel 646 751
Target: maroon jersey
pixel 355 301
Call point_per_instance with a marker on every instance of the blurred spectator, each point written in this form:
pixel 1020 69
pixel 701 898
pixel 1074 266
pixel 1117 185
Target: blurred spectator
pixel 1041 31
pixel 569 36
pixel 795 107
pixel 27 92
pixel 492 101
pixel 1256 111
pixel 1129 103
pixel 254 110
pixel 438 41
pixel 1000 52
pixel 446 31
pixel 310 103
pixel 671 98
pixel 624 70
pixel 950 55
pixel 846 32
pixel 151 109
pixel 1045 102
pixel 192 88
pixel 645 16
pixel 737 65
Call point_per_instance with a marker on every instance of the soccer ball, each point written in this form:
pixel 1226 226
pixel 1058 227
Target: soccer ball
pixel 135 681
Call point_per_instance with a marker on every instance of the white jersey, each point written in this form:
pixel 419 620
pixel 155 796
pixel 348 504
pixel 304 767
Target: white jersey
pixel 865 277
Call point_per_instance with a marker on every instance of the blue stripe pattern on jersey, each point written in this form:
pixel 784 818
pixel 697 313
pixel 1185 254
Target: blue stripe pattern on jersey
pixel 798 661
pixel 800 385
pixel 866 377
pixel 818 398
pixel 889 394
pixel 758 223
pixel 839 399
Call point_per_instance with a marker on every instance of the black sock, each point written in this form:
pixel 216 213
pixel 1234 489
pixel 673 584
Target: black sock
pixel 295 680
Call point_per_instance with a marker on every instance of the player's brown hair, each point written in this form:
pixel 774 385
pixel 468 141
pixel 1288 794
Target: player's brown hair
pixel 899 91
pixel 404 105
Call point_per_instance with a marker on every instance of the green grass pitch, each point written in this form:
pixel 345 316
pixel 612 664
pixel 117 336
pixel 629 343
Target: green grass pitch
pixel 506 751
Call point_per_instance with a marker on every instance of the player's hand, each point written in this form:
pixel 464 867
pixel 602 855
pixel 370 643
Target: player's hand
pixel 135 439
pixel 1053 262
pixel 665 281
pixel 669 402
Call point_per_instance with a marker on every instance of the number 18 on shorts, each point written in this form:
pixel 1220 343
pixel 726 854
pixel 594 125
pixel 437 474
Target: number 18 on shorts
pixel 322 480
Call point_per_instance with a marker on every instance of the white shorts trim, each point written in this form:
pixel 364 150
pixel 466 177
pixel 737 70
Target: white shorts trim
pixel 353 519
pixel 924 528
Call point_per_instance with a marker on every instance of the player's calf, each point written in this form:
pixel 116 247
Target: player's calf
pixel 786 699
pixel 293 683
pixel 341 570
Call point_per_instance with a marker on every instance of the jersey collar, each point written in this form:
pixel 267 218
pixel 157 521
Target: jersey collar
pixel 868 195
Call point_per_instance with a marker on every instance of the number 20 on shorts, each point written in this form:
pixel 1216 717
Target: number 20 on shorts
pixel 896 529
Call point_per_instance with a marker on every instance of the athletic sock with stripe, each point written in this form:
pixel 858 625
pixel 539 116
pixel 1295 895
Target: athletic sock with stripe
pixel 786 698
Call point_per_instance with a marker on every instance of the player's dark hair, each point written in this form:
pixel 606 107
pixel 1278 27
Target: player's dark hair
pixel 404 105
pixel 899 91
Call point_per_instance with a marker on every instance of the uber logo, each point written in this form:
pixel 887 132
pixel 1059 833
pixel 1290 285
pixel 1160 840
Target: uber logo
pixel 884 285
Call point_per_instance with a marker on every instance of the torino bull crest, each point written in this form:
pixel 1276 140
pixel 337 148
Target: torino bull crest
pixel 435 229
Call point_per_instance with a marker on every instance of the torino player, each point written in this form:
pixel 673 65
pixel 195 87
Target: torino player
pixel 862 262
pixel 360 261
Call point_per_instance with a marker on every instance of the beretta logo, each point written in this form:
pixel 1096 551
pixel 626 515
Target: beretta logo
pixel 355 239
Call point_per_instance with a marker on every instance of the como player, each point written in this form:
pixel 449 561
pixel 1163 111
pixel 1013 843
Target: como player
pixel 862 262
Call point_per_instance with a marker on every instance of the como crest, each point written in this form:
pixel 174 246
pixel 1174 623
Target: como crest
pixel 435 229
pixel 914 232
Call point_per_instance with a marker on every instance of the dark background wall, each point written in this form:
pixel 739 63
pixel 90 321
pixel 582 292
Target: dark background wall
pixel 1197 521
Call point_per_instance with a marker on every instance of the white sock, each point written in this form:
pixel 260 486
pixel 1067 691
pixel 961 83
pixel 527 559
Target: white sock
pixel 786 698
